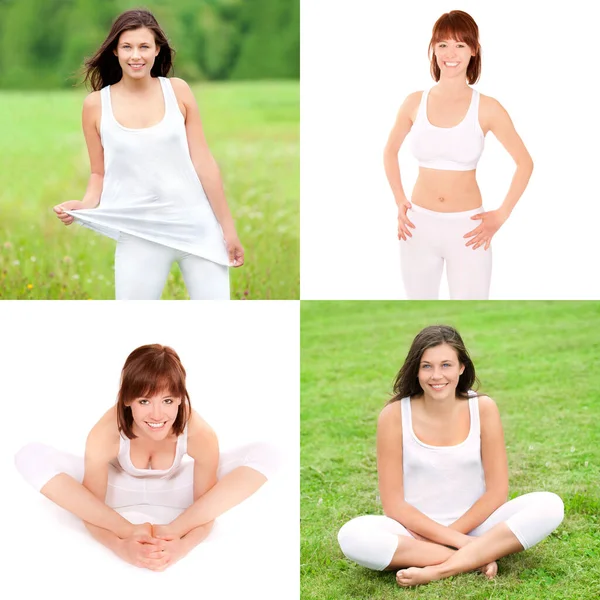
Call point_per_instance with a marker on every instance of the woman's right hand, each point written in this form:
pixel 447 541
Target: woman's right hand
pixel 59 209
pixel 142 550
pixel 403 221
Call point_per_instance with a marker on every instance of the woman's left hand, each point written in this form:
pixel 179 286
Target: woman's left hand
pixel 490 223
pixel 174 547
pixel 235 250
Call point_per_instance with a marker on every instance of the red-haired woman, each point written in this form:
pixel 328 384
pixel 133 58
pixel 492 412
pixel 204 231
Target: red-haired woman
pixel 445 220
pixel 154 185
pixel 133 472
pixel 443 475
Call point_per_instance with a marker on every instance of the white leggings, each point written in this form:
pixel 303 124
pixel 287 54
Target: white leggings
pixel 162 498
pixel 142 268
pixel 371 540
pixel 438 237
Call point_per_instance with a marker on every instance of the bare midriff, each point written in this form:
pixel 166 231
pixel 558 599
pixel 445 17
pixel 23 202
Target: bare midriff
pixel 446 191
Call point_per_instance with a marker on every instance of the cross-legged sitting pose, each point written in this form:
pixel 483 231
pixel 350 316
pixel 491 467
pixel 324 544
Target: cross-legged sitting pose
pixel 443 475
pixel 133 465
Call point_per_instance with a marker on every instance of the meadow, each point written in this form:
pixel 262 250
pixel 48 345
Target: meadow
pixel 252 129
pixel 537 360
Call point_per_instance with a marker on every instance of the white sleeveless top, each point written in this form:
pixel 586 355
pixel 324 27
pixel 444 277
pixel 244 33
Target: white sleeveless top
pixel 123 460
pixel 456 148
pixel 151 189
pixel 443 482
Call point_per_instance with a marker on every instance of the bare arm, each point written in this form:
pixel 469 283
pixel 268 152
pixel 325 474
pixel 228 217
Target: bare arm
pixel 495 468
pixel 501 125
pixel 203 447
pixel 203 160
pixel 391 485
pixel 90 121
pixel 401 129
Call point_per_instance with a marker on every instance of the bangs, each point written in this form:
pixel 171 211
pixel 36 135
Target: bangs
pixel 458 26
pixel 150 377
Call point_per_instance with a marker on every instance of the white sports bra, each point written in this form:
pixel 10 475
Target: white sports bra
pixel 448 148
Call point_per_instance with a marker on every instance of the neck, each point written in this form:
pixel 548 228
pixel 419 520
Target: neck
pixel 439 407
pixel 452 87
pixel 136 86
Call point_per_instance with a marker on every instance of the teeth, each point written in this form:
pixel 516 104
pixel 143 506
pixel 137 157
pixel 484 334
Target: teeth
pixel 155 426
pixel 448 64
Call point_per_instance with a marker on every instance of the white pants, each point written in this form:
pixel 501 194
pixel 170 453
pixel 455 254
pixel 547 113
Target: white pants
pixel 371 540
pixel 162 499
pixel 142 268
pixel 438 237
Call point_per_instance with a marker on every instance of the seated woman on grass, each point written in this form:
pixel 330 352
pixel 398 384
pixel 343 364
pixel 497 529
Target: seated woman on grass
pixel 133 466
pixel 443 476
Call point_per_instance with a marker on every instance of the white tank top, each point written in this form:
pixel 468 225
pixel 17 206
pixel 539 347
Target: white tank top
pixel 448 148
pixel 443 482
pixel 123 459
pixel 151 189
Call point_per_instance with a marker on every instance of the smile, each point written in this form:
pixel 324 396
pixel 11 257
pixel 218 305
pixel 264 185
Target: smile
pixel 451 64
pixel 155 425
pixel 136 67
pixel 438 386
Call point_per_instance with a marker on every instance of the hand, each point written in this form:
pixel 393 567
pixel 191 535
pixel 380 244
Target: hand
pixel 403 220
pixel 142 550
pixel 59 209
pixel 235 250
pixel 174 546
pixel 490 223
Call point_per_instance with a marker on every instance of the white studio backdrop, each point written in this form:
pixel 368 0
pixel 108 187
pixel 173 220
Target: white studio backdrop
pixel 360 61
pixel 61 363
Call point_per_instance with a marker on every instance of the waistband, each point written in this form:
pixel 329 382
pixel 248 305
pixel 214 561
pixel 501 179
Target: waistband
pixel 465 214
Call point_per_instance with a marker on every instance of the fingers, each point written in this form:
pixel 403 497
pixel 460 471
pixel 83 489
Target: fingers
pixel 479 216
pixel 475 231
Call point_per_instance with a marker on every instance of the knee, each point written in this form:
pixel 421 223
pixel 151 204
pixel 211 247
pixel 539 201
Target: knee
pixel 554 509
pixel 366 547
pixel 264 457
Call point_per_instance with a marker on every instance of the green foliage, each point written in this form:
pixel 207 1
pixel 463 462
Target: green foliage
pixel 44 42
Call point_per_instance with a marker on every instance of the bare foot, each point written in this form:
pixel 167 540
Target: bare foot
pixel 490 570
pixel 416 576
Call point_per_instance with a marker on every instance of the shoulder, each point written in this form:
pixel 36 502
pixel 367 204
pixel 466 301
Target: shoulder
pixel 200 435
pixel 390 418
pixel 491 106
pixel 488 411
pixel 104 438
pixel 92 100
pixel 412 101
pixel 181 88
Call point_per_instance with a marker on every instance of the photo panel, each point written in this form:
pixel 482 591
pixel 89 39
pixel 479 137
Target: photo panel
pixel 63 365
pixel 534 360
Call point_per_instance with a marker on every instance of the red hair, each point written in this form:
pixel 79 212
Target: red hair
pixel 460 26
pixel 149 370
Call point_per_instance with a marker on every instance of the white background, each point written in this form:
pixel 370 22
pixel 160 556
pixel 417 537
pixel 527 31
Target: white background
pixel 61 363
pixel 360 60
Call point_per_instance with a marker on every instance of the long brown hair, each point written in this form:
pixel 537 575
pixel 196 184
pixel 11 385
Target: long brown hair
pixel 407 380
pixel 103 68
pixel 460 26
pixel 149 370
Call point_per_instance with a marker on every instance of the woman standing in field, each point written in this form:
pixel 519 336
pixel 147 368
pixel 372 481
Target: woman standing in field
pixel 443 475
pixel 133 465
pixel 154 185
pixel 448 125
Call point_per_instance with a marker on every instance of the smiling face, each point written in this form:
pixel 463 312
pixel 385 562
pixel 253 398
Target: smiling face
pixel 154 415
pixel 453 58
pixel 136 51
pixel 439 371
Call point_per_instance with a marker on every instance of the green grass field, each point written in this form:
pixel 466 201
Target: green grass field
pixel 538 360
pixel 253 131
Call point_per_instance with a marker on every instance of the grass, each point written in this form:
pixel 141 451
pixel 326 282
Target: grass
pixel 538 360
pixel 253 131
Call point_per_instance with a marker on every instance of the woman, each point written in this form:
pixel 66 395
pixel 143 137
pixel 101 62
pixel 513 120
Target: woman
pixel 443 475
pixel 133 467
pixel 150 168
pixel 448 124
